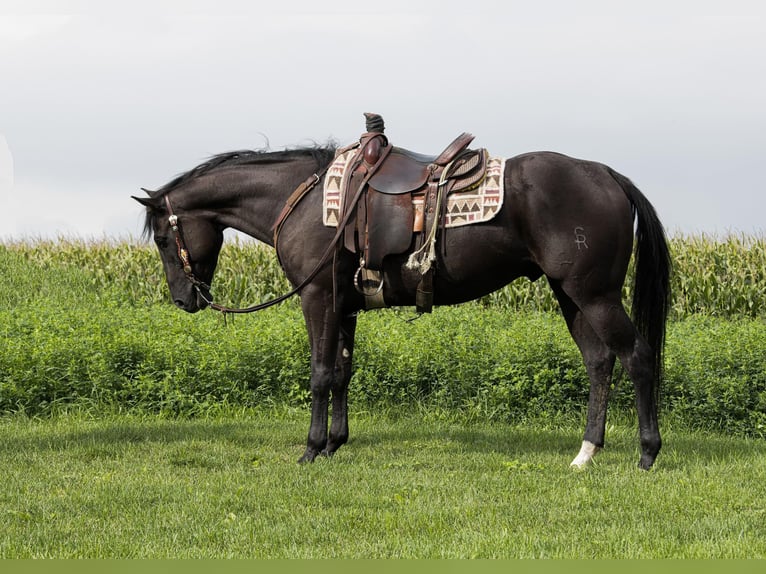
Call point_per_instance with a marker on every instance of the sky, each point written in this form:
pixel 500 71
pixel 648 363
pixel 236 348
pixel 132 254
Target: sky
pixel 98 100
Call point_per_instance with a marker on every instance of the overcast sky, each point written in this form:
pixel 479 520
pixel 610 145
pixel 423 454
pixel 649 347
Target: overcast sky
pixel 97 101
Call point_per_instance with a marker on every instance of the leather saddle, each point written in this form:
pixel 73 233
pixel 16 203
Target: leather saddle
pixel 385 222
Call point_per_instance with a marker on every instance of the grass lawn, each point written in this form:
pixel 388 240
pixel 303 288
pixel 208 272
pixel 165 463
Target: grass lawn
pixel 412 486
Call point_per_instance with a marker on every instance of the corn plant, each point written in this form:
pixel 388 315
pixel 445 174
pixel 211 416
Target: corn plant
pixel 718 276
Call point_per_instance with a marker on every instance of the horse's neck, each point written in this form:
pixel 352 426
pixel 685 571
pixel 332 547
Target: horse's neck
pixel 250 198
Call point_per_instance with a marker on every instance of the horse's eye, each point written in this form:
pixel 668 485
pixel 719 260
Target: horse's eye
pixel 161 241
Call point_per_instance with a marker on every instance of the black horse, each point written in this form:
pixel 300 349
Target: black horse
pixel 568 219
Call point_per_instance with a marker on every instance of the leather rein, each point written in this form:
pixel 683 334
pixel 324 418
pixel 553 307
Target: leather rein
pixel 295 198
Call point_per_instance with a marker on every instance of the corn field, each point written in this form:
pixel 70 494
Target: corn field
pixel 723 278
pixel 715 276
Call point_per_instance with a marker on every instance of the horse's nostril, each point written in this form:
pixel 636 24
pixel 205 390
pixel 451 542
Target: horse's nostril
pixel 179 303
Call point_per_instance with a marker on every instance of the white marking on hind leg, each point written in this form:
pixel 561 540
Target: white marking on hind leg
pixel 587 451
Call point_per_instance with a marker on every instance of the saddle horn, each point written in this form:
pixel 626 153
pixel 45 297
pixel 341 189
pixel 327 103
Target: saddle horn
pixel 374 123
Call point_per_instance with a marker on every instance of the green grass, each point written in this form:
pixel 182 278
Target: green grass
pixel 406 486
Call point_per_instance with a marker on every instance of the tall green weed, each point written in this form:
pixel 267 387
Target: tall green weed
pixel 84 323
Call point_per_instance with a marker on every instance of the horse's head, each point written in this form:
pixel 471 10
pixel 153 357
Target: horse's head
pixel 189 244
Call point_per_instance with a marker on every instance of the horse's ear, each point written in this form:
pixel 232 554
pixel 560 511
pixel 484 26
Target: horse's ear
pixel 150 202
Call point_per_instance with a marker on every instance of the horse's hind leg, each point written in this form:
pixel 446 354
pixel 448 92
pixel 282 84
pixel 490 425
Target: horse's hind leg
pixel 612 325
pixel 599 364
pixel 343 363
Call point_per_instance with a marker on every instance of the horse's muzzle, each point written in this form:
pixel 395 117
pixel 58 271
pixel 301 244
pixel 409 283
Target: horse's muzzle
pixel 188 306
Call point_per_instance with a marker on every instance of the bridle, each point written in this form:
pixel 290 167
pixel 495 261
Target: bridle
pixel 202 288
pixel 299 193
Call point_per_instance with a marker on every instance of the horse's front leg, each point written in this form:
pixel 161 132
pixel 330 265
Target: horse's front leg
pixel 343 364
pixel 323 324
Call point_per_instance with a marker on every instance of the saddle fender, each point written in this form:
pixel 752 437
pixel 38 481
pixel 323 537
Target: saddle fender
pixel 390 219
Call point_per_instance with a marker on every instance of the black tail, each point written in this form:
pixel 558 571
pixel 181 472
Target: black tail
pixel 651 287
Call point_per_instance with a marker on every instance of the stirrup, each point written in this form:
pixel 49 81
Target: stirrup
pixel 362 274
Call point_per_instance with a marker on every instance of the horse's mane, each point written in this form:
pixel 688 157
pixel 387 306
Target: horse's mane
pixel 322 154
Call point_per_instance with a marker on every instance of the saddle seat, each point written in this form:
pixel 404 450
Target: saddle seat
pixel 405 171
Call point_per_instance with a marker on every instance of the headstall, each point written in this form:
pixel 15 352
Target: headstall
pixel 183 255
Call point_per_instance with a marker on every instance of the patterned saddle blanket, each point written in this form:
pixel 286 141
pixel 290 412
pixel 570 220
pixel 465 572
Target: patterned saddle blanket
pixel 476 204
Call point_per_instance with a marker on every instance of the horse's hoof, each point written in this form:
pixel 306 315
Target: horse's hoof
pixel 587 451
pixel 646 462
pixel 307 457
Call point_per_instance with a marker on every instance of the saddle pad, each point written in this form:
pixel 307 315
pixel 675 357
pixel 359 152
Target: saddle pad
pixel 463 208
pixel 334 182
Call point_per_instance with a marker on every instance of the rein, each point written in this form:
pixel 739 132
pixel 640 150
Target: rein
pixel 299 193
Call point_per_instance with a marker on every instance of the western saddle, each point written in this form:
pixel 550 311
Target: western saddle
pixel 399 198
